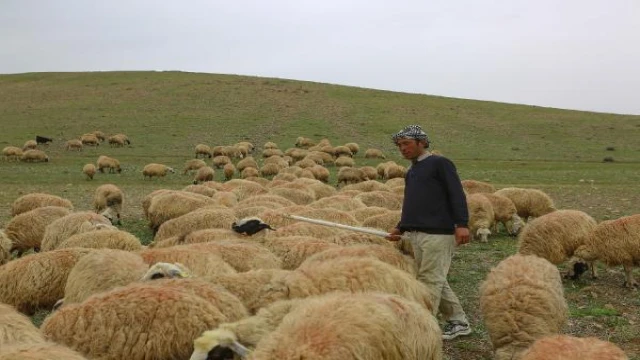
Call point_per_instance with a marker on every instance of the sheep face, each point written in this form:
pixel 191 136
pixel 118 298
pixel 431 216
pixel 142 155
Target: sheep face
pixel 171 170
pixel 112 215
pixel 163 270
pixel 516 225
pixel 218 344
pixel 483 234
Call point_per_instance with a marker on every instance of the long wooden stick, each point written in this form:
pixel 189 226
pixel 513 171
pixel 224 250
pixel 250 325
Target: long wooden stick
pixel 337 225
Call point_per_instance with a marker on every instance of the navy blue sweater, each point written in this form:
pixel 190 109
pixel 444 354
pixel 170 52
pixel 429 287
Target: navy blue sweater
pixel 434 201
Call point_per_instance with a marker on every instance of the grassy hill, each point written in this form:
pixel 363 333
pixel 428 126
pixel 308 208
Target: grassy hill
pixel 166 114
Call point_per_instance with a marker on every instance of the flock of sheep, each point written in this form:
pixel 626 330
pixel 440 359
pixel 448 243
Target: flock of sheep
pixel 201 291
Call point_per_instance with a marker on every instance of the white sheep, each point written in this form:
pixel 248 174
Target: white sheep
pixel 529 202
pixel 481 216
pixel 505 212
pixel 89 170
pixel 108 200
pixel 106 162
pixel 12 153
pixel 35 200
pixel 34 156
pixel 157 170
pixel 26 230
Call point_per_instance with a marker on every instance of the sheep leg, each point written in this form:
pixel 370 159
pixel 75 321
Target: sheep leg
pixel 630 282
pixel 594 269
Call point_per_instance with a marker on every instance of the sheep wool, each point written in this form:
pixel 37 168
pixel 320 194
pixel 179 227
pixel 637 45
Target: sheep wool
pixel 366 186
pixel 36 200
pixel 38 351
pixel 529 202
pixel 481 217
pixel 198 262
pixel 241 255
pixel 16 328
pixel 505 212
pixel 475 186
pixel 103 239
pixel 74 223
pixel 5 248
pixel 167 205
pixel 157 170
pixel 108 196
pixel 386 254
pixel 522 300
pixel 89 170
pixel 572 348
pixel 26 230
pixel 203 218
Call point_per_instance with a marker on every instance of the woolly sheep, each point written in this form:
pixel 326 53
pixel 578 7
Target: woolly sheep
pixel 34 156
pixel 344 161
pixel 475 186
pixel 108 196
pixel 271 152
pixel 203 218
pixel 505 212
pixel 367 185
pixel 118 140
pixel 246 163
pixel 105 162
pixel 363 213
pixel 89 170
pixel 394 171
pixel 349 238
pixel 326 158
pixel 300 197
pixel 225 198
pixel 270 145
pixel 294 251
pixel 374 154
pixel 229 171
pixel 572 348
pixel 271 200
pixel 202 149
pixel 203 174
pixel 12 153
pixel 614 242
pixel 5 248
pixel 556 236
pixel 89 139
pixel 232 152
pixel 74 223
pixel 198 262
pixel 193 164
pixel 198 236
pixel 101 271
pixel 146 200
pixel 30 145
pixel 103 239
pixel 249 172
pixel 354 147
pixel 151 320
pixel 391 183
pixel 303 142
pixel 244 188
pixel 385 222
pixel 306 163
pixel 522 300
pixel 340 151
pixel 35 200
pixel 362 326
pixel 220 161
pixel 384 253
pixel 157 170
pixel 73 145
pixel 349 175
pixel 26 230
pixel 269 170
pixel 241 255
pixel 37 280
pixel 247 144
pixel 16 328
pixel 169 205
pixel 101 135
pixel 38 351
pixel 528 202
pixel 200 189
pixel 481 217
pixel 338 202
pixel 381 199
pixel 320 173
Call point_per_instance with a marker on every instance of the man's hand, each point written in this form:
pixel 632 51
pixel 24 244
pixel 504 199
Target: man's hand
pixel 462 235
pixel 394 235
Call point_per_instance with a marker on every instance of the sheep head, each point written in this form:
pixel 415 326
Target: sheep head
pixel 163 270
pixel 483 234
pixel 517 225
pixel 219 344
pixel 112 215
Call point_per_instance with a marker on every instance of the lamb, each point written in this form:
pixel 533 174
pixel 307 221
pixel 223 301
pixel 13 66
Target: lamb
pixel 556 236
pixel 12 153
pixel 481 217
pixel 204 174
pixel 374 154
pixel 205 150
pixel 73 145
pixel 504 211
pixel 16 328
pixel 203 218
pixel 474 186
pixel 157 170
pixel 614 242
pixel 74 223
pixel 528 202
pixel 34 156
pixel 522 300
pixel 572 348
pixel 193 164
pixel 89 140
pixel 37 280
pixel 5 248
pixel 30 145
pixel 140 321
pixel 26 230
pixel 89 170
pixel 107 201
pixel 109 239
pixel 229 170
pixel 361 326
pixel 35 200
pixel 350 175
pixel 169 205
pixel 105 162
pixel 38 351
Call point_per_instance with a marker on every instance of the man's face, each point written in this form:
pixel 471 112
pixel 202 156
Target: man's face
pixel 410 149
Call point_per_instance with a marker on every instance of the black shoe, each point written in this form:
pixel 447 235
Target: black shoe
pixel 453 329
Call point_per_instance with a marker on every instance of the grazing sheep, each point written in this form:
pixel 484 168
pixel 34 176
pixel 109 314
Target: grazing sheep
pixel 229 171
pixel 556 236
pixel 350 175
pixel 101 135
pixel 74 223
pixel 335 326
pixel 89 170
pixel 73 145
pixel 193 164
pixel 271 152
pixel 614 242
pixel 5 248
pixel 572 348
pixel 150 320
pixel 384 253
pixel 118 140
pixel 481 217
pixel 30 145
pixel 26 230
pixel 344 161
pixel 369 172
pixel 244 188
pixel 528 202
pixel 367 185
pixel 203 218
pixel 38 351
pixel 204 174
pixel 320 173
pixel 157 170
pixel 12 153
pixel 338 202
pixel 362 213
pixel 34 156
pixel 35 200
pixel 103 239
pixel 248 162
pixel 381 199
pixel 270 145
pixel 249 172
pixel 522 300
pixel 198 236
pixel 107 201
pixel 300 197
pixel 204 150
pixel 105 162
pixel 225 198
pixel 198 262
pixel 170 204
pixel 349 238
pixel 306 163
pixel 355 148
pixel 269 200
pixel 220 161
pixel 332 215
pixel 504 211
pixel 37 280
pixel 386 221
pixel 374 154
pixel 200 189
pixel 340 151
pixel 303 142
pixel 474 186
pixel 89 140
pixel 16 328
pixel 394 171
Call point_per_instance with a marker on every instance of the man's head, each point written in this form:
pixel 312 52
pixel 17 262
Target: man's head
pixel 411 141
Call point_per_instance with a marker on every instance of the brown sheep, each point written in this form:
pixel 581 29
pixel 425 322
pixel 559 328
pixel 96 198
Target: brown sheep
pixel 26 230
pixel 204 150
pixel 30 145
pixel 89 140
pixel 34 156
pixel 108 200
pixel 73 145
pixel 89 170
pixel 193 164
pixel 12 153
pixel 105 162
pixel 374 154
pixel 157 170
pixel 35 200
pixel 203 174
pixel 229 170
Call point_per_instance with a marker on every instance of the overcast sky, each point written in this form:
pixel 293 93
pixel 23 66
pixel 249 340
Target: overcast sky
pixel 571 54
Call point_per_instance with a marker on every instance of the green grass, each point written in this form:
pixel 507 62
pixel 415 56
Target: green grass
pixel 165 114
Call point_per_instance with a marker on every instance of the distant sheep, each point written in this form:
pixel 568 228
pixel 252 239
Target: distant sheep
pixel 522 300
pixel 198 236
pixel 35 200
pixel 89 170
pixel 367 185
pixel 271 152
pixel 572 348
pixel 229 170
pixel 474 186
pixel 349 175
pixel 203 174
pixel 320 173
pixel 395 171
pixel 354 147
pixel 339 151
pixel 27 229
pixel 12 153
pixel 220 161
pixel 249 172
pixel 103 239
pixel 73 145
pixel 200 189
pixel 34 156
pixel 374 154
pixel 89 140
pixel 386 254
pixel 74 223
pixel 269 170
pixel 204 150
pixel 100 135
pixel 105 162
pixel 247 162
pixel 157 170
pixel 193 164
pixel 16 328
pixel 529 202
pixel 108 200
pixel 30 145
pixel 481 217
pixel 344 161
pixel 118 140
pixel 303 142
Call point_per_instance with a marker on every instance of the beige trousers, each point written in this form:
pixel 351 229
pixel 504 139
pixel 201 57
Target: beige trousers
pixel 433 258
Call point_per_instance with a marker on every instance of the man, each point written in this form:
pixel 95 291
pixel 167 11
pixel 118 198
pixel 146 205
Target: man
pixel 434 219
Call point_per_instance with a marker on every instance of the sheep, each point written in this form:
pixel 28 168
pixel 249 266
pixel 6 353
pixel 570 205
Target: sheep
pixel 394 171
pixel 109 239
pixel 362 213
pixel 354 326
pixel 270 145
pixel 16 328
pixel 204 174
pixel 384 253
pixel 277 160
pixel 340 151
pixel 474 186
pixel 118 140
pixel 303 142
pixel 12 153
pixel 244 188
pixel 241 255
pixel 270 200
pixel 614 242
pixel 30 145
pixel 528 202
pixel 229 171
pixel 73 145
pixel 355 148
pixel 34 156
pixel 89 139
pixel 395 182
pixel 320 173
pixel 204 150
pixel 37 280
pixel 26 230
pixel 227 199
pixel 203 218
pixel 200 189
pixel 198 262
pixel 505 212
pixel 249 172
pixel 101 271
pixel 344 161
pixel 198 236
pixel 107 201
pixel 522 300
pixel 374 154
pixel 350 175
pixel 269 170
pixel 325 157
pixel 105 162
pixel 481 217
pixel 248 162
pixel 157 170
pixel 572 348
pixel 338 202
pixel 5 248
pixel 349 238
pixel 89 170
pixel 38 351
pixel 220 161
pixel 366 186
pixel 381 199
pixel 246 144
pixel 300 197
pixel 386 221
pixel 149 320
pixel 169 205
pixel 232 152
pixel 193 164
pixel 123 137
pixel 556 236
pixel 74 223
pixel 271 152
pixel 35 200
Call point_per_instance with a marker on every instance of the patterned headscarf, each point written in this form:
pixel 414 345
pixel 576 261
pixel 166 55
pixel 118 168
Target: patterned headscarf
pixel 411 132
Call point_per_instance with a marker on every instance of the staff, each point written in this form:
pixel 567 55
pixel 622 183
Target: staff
pixel 340 226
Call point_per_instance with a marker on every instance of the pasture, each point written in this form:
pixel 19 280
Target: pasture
pixel 165 114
